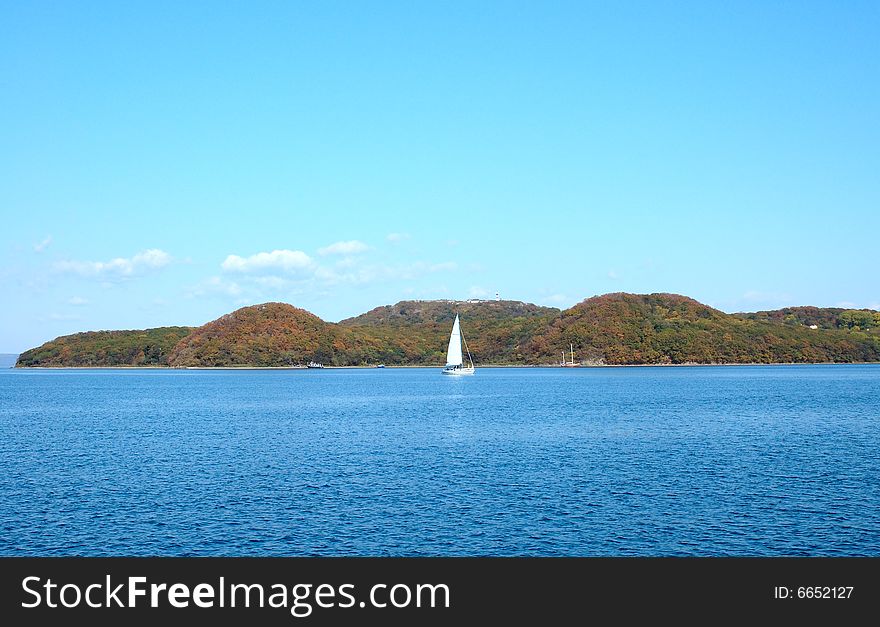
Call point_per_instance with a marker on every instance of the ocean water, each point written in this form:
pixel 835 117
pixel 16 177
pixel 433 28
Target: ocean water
pixel 748 460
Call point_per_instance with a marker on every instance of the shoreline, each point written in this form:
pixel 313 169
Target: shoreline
pixel 440 367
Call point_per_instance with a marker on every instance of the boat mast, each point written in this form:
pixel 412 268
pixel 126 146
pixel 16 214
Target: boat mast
pixel 467 350
pixel 572 353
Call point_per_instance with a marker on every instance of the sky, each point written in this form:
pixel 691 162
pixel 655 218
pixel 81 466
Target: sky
pixel 164 163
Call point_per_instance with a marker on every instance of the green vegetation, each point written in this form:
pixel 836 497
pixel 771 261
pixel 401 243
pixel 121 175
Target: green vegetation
pixel 149 347
pixel 272 334
pixel 417 332
pixel 672 329
pixel 827 318
pixel 609 329
pixel 409 333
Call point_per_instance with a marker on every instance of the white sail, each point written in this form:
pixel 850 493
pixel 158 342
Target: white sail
pixel 453 353
pixel 454 362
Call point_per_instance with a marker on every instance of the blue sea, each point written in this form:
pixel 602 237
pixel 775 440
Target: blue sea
pixel 662 461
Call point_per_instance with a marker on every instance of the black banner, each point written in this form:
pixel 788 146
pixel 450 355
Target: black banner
pixel 316 591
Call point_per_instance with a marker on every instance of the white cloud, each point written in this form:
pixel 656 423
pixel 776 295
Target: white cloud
pixel 41 246
pixel 284 274
pixel 477 292
pixel 326 274
pixel 846 304
pixel 613 275
pixel 230 288
pixel 351 247
pixel 77 300
pixel 120 267
pixel 250 288
pixel 217 286
pixel 347 262
pixel 360 274
pixel 397 237
pixel 286 260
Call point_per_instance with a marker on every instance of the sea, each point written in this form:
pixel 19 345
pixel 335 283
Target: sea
pixel 626 461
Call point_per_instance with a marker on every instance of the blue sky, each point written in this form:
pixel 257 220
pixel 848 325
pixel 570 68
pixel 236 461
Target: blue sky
pixel 165 163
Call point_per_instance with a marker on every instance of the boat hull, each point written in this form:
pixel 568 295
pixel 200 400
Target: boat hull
pixel 458 372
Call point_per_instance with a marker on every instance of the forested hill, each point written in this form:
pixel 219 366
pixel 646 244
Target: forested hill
pixel 668 328
pixel 865 320
pixel 610 329
pixel 149 347
pixel 413 312
pixel 271 334
pixel 417 332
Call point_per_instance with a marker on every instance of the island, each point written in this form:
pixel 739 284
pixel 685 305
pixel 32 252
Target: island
pixel 611 329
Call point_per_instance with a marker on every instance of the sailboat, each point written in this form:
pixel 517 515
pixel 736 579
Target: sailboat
pixel 571 364
pixel 454 363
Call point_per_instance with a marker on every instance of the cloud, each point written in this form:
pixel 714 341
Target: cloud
pixel 477 292
pixel 846 304
pixel 217 286
pixel 120 267
pixel 283 274
pixel 250 288
pixel 285 260
pixel 41 246
pixel 77 300
pixel 361 274
pixel 351 247
pixel 613 275
pixel 347 262
pixel 396 237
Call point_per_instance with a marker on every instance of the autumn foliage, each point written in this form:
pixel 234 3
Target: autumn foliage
pixel 610 329
pixel 149 347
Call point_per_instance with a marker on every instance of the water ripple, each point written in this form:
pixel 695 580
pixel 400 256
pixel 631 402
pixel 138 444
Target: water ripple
pixel 635 461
